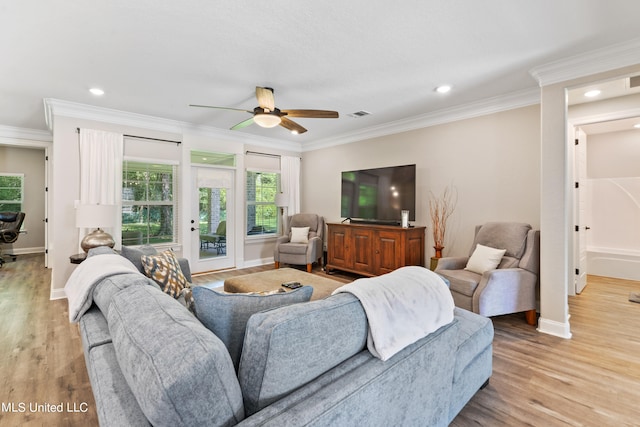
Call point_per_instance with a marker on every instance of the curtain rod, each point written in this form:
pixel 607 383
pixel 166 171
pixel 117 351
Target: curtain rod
pixel 257 153
pixel 146 137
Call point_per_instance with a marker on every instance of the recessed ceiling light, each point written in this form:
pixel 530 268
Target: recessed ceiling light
pixel 443 89
pixel 592 93
pixel 295 132
pixel 96 91
pixel 637 126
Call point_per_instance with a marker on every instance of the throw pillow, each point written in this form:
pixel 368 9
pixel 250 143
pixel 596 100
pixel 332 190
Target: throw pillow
pixel 226 314
pixel 299 235
pixel 164 269
pixel 484 258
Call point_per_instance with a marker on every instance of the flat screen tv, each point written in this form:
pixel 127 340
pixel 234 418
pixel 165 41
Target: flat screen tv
pixel 379 195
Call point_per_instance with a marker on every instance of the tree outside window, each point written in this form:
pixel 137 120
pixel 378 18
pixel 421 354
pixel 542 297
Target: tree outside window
pixel 262 212
pixel 11 192
pixel 148 204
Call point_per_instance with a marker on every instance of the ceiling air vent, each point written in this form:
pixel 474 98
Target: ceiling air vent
pixel 634 81
pixel 358 114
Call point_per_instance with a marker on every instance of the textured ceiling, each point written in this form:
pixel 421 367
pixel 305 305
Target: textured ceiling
pixel 154 57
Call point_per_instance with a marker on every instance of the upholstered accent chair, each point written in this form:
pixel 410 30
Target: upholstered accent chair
pixel 301 243
pixel 479 285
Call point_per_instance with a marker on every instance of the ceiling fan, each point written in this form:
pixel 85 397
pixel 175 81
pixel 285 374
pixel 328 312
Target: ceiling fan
pixel 267 115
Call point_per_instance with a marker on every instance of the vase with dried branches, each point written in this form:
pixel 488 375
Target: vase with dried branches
pixel 441 207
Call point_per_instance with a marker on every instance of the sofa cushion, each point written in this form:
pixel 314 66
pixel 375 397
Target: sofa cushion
pixel 165 270
pixel 109 286
pixel 287 347
pixel 226 314
pixel 462 281
pixel 293 248
pixel 179 372
pixel 93 329
pixel 115 403
pixel 135 254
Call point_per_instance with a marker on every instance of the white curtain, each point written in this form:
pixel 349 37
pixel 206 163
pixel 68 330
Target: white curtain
pixel 290 182
pixel 101 155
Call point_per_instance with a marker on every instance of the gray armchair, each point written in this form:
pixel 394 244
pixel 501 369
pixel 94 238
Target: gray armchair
pixel 509 288
pixel 298 251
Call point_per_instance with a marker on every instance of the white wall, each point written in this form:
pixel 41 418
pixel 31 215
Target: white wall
pixel 31 163
pixel 493 161
pixel 613 170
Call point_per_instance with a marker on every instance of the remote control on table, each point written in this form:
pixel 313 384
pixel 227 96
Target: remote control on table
pixel 292 285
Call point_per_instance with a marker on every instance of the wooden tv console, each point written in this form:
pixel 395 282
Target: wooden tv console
pixel 372 250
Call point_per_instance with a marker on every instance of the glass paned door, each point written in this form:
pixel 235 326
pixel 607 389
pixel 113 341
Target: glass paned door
pixel 213 222
pixel 212 235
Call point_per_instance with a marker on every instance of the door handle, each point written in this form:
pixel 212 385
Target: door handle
pixel 193 229
pixel 587 228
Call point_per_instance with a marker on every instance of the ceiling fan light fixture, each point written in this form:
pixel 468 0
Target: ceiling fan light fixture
pixel 266 120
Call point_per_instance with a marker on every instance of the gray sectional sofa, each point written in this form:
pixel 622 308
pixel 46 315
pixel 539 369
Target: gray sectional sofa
pixel 152 362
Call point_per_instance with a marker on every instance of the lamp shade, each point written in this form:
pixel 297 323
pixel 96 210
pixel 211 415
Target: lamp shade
pixel 96 216
pixel 282 200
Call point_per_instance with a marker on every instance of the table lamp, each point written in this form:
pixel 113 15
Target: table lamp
pixel 282 201
pixel 96 216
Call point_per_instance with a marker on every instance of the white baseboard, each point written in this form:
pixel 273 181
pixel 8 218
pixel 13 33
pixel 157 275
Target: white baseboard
pixel 22 251
pixel 552 327
pixel 257 262
pixel 57 294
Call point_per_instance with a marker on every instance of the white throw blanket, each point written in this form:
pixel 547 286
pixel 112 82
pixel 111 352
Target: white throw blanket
pixel 402 307
pixel 79 287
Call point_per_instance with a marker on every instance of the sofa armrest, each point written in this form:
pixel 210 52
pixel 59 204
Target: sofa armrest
pixel 506 290
pixel 452 263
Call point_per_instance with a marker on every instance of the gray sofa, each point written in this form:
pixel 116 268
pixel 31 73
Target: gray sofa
pixel 152 362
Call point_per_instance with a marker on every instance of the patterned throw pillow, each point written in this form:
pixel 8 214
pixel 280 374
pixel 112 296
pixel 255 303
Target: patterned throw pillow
pixel 164 269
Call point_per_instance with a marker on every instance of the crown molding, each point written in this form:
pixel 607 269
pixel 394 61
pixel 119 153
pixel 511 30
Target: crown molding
pixel 523 98
pixel 10 132
pixel 57 107
pixel 593 62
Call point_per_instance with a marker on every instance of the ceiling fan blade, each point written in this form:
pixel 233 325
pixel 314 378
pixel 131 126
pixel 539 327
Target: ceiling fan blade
pixel 292 126
pixel 265 98
pixel 315 114
pixel 243 124
pixel 221 108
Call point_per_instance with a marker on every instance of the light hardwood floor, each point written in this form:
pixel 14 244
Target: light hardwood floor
pixel 538 380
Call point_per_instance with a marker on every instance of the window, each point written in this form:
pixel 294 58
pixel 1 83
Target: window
pixel 11 192
pixel 262 213
pixel 149 207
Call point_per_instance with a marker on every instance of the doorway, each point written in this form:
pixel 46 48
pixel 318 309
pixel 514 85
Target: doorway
pixel 615 113
pixel 212 221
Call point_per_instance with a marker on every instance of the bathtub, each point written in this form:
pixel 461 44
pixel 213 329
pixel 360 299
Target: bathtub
pixel 609 262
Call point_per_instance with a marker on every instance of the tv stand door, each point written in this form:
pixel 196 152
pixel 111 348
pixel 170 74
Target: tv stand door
pixel 388 251
pixel 362 245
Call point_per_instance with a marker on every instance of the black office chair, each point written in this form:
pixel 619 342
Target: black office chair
pixel 10 223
